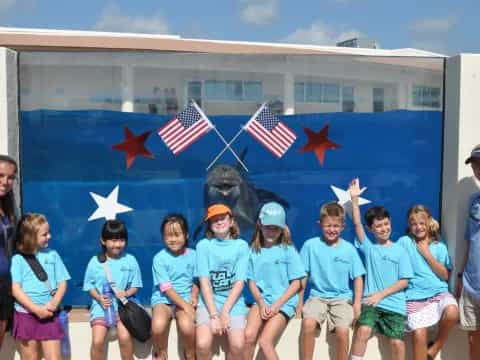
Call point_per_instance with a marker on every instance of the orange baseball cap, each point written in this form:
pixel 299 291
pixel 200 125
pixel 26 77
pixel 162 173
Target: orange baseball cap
pixel 217 209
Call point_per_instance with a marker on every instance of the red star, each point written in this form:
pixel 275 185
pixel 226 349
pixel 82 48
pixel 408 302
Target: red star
pixel 318 143
pixel 134 146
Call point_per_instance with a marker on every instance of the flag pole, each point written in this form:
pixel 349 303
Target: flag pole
pixel 225 149
pixel 219 135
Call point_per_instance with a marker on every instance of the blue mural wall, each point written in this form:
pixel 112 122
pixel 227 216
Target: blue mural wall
pixel 65 155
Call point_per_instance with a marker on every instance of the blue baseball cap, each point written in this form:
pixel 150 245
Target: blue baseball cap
pixel 272 213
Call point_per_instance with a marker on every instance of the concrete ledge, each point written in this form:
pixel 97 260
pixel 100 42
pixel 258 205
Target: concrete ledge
pixel 456 347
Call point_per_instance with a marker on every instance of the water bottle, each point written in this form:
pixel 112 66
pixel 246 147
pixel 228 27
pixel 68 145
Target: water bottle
pixel 110 315
pixel 65 342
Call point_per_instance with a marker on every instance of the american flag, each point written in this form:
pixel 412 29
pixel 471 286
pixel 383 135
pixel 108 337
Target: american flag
pixel 270 131
pixel 185 128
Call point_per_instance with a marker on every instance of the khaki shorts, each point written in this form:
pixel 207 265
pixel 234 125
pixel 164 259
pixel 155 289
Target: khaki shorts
pixel 337 312
pixel 237 322
pixel 469 312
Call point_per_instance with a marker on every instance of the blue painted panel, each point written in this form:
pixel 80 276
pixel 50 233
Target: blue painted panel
pixel 67 154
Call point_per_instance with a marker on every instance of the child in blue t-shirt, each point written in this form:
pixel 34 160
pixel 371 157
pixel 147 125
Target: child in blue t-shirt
pixel 222 262
pixel 174 292
pixel 331 264
pixel 36 325
pixel 274 273
pixel 428 299
pixel 388 273
pixel 126 276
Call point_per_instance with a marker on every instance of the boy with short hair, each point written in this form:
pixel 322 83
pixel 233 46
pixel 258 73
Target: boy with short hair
pixel 331 263
pixel 388 270
pixel 468 284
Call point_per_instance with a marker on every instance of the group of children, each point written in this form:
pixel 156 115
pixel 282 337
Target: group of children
pixel 398 287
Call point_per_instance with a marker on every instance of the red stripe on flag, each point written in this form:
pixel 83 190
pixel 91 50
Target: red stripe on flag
pixel 262 135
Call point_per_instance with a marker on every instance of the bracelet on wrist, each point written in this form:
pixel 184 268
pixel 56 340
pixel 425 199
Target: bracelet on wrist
pixel 460 275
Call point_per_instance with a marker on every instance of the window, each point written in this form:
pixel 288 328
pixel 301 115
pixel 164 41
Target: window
pixel 194 91
pixel 233 90
pixel 215 90
pixel 348 100
pixel 253 91
pixel 317 92
pixel 378 99
pixel 426 96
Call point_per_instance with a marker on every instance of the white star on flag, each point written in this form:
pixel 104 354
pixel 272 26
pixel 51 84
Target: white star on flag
pixel 108 207
pixel 345 200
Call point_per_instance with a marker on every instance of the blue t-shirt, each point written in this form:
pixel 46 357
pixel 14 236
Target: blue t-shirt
pixel 35 289
pixel 223 262
pixel 331 268
pixel 173 272
pixel 425 283
pixel 471 273
pixel 124 271
pixel 385 265
pixel 272 269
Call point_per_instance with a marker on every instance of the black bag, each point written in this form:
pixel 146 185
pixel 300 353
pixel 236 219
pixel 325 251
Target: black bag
pixel 136 319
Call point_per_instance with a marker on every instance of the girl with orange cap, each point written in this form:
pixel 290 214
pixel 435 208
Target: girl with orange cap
pixel 222 263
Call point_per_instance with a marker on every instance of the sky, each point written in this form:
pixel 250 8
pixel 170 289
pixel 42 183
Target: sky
pixel 447 27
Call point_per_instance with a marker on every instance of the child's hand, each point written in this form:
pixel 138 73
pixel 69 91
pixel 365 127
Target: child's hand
pixel 264 311
pixel 52 306
pixel 215 326
pixel 194 302
pixel 190 311
pixel 373 299
pixel 121 294
pixel 299 309
pixel 357 310
pixel 225 321
pixel 354 188
pixel 42 312
pixel 274 309
pixel 422 247
pixel 105 301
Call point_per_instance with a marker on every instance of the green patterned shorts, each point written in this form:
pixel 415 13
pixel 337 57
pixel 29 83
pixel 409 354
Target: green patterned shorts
pixel 385 322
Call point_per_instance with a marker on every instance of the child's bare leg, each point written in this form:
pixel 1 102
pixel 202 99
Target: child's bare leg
pixel 203 342
pixel 309 329
pixel 360 340
pixel 186 327
pixel 236 344
pixel 397 349
pixel 474 342
pixel 270 333
pixel 97 348
pixel 341 343
pixel 51 349
pixel 254 324
pixel 420 344
pixel 28 349
pixel 125 341
pixel 162 316
pixel 447 322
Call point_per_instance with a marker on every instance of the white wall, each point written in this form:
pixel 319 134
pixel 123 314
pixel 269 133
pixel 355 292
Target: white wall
pixel 462 133
pixel 456 347
pixel 8 103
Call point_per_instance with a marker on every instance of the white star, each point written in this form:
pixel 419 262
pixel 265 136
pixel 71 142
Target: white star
pixel 108 207
pixel 345 200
